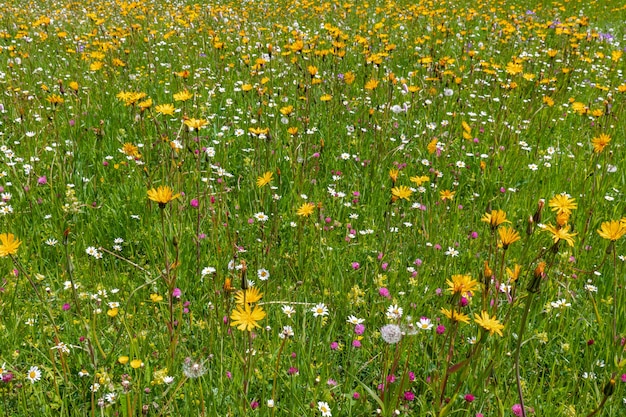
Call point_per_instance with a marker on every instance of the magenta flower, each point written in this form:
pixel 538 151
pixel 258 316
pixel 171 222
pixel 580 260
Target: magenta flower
pixel 194 203
pixel 384 292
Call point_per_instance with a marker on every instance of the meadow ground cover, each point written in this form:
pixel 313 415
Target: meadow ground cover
pixel 286 208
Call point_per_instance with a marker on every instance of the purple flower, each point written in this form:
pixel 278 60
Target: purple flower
pixel 355 265
pixel 469 398
pixel 194 203
pixel 384 292
pixel 409 396
pixel 356 395
pixel 176 293
pixel 42 180
pixel 65 307
pixel 359 329
pixel 334 345
pixel 356 343
pixel 441 329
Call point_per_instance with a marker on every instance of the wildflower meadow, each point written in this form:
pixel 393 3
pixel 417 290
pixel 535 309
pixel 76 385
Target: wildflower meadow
pixel 312 208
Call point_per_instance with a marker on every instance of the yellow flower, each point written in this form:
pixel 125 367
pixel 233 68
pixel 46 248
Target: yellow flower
pixel 196 124
pixel 286 111
pixel 9 244
pixel 560 234
pixel 600 142
pixel 165 109
pixel 612 230
pixel 55 99
pixel 326 97
pixel 513 68
pixel 162 195
pixel 249 296
pixel 401 192
pixel 419 180
pixel 130 150
pixel 246 318
pixel 432 145
pixel 264 179
pixel 462 284
pixel 562 203
pixel 112 312
pixel 371 84
pixel 446 195
pixel 155 298
pixel 306 209
pixel 123 360
pixel 183 96
pixel 508 235
pixel 491 324
pixel 146 104
pixel 455 315
pixel 393 174
pixel 495 218
pixel 136 363
pixel 514 273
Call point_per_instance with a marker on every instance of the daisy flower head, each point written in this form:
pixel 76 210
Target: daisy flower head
pixel 324 409
pixel 394 312
pixel 319 310
pixel 263 274
pixel 288 310
pixel 34 374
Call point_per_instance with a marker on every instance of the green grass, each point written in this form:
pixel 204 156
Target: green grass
pixel 497 104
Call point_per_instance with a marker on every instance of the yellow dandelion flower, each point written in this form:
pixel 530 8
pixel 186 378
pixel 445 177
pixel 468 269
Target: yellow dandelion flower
pixel 401 193
pixel 247 318
pixel 264 179
pixel 455 316
pixel 491 324
pixel 249 296
pixel 508 235
pixel 162 195
pixel 8 244
pixel 562 203
pixel 306 210
pixel 446 195
pixel 495 218
pixel 612 230
pixel 371 84
pixel 183 96
pixel 462 284
pixel 419 180
pixel 165 109
pixel 393 174
pixel 600 142
pixel 195 124
pixel 559 234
